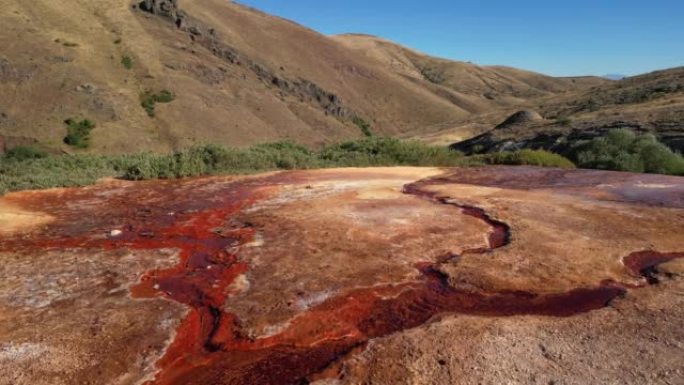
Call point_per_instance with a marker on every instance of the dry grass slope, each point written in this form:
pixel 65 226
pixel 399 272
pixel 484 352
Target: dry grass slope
pixel 239 77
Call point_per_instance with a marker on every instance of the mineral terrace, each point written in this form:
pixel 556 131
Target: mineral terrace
pixel 352 276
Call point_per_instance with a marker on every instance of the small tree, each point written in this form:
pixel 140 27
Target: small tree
pixel 127 62
pixel 78 132
pixel 623 150
pixel 148 100
pixel 364 126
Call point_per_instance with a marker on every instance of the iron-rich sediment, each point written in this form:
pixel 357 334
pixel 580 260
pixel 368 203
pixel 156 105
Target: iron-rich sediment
pixel 215 226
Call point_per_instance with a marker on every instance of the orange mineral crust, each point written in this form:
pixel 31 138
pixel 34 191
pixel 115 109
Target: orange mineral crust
pixel 300 277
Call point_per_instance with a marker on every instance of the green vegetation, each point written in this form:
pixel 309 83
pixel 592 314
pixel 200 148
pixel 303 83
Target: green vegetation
pixel 210 159
pixel 364 126
pixel 28 168
pixel 388 152
pixel 526 157
pixel 25 153
pixel 148 100
pixel 70 44
pixel 83 169
pixel 564 121
pixel 623 150
pixel 127 62
pixel 78 132
pixel 117 41
pixel 58 171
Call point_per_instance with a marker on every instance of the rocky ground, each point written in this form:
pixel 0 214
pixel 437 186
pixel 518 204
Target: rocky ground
pixel 352 276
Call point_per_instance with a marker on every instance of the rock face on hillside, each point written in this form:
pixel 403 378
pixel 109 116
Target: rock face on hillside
pixel 165 8
pixel 353 276
pixel 205 35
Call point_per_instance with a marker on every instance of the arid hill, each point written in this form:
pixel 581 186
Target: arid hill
pixel 651 103
pixel 238 77
pixel 489 93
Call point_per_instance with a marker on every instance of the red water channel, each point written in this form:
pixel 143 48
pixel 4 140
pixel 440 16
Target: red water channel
pixel 210 348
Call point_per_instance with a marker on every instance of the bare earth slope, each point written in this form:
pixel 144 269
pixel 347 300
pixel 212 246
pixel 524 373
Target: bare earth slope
pixel 239 77
pixel 348 276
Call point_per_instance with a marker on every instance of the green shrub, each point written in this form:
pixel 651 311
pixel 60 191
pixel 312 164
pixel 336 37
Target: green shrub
pixel 148 100
pixel 564 121
pixel 163 96
pixel 69 44
pixel 364 126
pixel 151 166
pixel 78 132
pixel 59 171
pixel 213 159
pixel 83 169
pixel 387 152
pixel 117 41
pixel 623 150
pixel 127 62
pixel 527 157
pixel 25 153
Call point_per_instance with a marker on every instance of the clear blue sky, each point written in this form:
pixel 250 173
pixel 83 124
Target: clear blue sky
pixel 556 37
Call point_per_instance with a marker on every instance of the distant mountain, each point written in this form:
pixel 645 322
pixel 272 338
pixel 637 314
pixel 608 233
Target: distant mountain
pixel 614 76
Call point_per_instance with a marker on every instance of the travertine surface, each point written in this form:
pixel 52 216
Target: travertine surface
pixel 348 276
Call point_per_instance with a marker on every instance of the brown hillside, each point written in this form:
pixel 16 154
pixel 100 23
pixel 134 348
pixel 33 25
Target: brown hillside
pixel 489 93
pixel 651 103
pixel 489 85
pixel 239 77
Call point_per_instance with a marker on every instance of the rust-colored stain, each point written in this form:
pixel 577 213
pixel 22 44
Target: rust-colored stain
pixel 210 346
pixel 643 263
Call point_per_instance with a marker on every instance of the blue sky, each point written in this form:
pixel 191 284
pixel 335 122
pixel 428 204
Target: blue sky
pixel 556 37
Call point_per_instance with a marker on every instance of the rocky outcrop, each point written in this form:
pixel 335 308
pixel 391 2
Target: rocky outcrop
pixel 164 8
pixel 12 73
pixel 302 89
pixel 204 35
